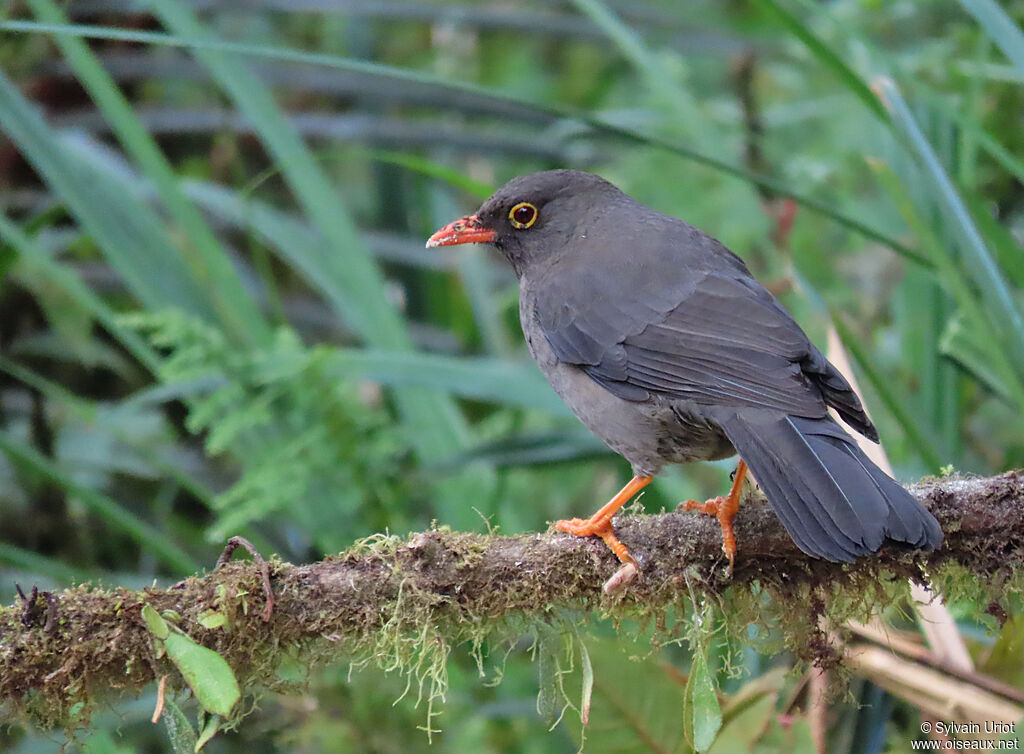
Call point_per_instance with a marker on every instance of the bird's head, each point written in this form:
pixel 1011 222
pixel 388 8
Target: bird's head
pixel 533 216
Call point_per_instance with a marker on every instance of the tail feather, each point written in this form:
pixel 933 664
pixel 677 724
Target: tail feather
pixel 834 502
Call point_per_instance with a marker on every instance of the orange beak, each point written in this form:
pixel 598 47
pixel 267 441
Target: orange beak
pixel 463 230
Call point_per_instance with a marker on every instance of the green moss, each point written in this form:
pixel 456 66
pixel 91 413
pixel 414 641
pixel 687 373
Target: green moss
pixel 411 611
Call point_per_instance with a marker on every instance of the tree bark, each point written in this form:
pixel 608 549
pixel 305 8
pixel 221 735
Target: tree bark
pixel 57 649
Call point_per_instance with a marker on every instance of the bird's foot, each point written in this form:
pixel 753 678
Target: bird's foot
pixel 724 508
pixel 596 526
pixel 600 524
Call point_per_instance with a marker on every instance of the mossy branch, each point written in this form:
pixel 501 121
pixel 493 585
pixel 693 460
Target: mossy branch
pixel 439 588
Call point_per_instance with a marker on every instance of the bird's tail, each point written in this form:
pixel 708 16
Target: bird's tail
pixel 834 502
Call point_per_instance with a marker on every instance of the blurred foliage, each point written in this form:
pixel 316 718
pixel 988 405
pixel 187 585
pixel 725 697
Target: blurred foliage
pixel 217 316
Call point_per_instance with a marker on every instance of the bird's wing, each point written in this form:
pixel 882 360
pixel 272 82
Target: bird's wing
pixel 719 339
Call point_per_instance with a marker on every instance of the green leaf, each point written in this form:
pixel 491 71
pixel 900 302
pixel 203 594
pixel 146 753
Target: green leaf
pixel 1002 660
pixel 746 714
pixel 434 423
pixel 794 738
pixel 206 672
pixel 703 704
pixel 549 651
pixel 825 55
pixel 687 715
pixel 482 94
pixel 117 421
pixel 481 378
pixel 635 704
pixel 741 733
pixel 209 731
pixel 998 24
pixel 1008 251
pixel 1006 318
pixel 960 343
pixel 179 729
pixel 967 119
pixel 477 189
pixel 344 258
pixel 572 443
pixel 57 275
pixel 202 254
pixel 111 511
pixel 155 623
pixel 295 242
pixel 948 269
pixel 632 47
pixel 917 434
pixel 587 692
pixel 132 237
pixel 102 742
pixel 212 619
pixel 33 562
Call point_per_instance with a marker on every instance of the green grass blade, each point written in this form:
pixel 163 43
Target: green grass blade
pixel 117 516
pixel 632 47
pixel 131 236
pixel 949 274
pixel 966 171
pixel 204 255
pixel 51 568
pixel 294 241
pixel 1005 318
pixel 477 189
pixel 485 379
pixel 598 125
pixel 71 285
pixel 824 54
pixel 85 411
pixel 435 425
pixel 959 343
pixel 964 120
pixel 998 25
pixel 345 259
pixel 536 449
pixel 1007 250
pixel 916 434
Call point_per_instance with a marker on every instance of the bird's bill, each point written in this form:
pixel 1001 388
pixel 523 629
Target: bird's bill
pixel 464 230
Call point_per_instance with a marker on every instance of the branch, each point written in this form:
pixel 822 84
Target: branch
pixel 447 587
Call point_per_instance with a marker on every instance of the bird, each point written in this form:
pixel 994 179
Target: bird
pixel 661 341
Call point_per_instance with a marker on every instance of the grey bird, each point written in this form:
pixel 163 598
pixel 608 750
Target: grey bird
pixel 663 344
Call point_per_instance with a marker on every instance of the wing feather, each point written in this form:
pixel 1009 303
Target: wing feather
pixel 712 338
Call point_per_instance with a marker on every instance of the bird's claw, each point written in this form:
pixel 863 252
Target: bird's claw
pixel 724 509
pixel 597 527
pixel 709 507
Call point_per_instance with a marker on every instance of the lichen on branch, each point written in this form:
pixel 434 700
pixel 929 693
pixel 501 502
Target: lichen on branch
pixel 404 602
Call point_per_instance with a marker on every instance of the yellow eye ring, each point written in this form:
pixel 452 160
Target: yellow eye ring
pixel 522 216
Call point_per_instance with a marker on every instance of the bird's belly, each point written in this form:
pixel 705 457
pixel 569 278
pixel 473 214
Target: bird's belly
pixel 648 434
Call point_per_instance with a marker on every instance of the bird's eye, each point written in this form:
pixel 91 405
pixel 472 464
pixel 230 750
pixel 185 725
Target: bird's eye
pixel 523 215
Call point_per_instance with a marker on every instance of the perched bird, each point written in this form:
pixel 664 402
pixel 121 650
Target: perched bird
pixel 662 343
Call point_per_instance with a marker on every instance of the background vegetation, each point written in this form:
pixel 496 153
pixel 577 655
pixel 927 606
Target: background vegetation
pixel 217 316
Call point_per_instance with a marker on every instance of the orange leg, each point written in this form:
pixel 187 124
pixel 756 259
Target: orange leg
pixel 600 524
pixel 724 509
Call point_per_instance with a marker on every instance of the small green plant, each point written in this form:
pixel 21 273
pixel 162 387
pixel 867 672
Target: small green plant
pixel 302 440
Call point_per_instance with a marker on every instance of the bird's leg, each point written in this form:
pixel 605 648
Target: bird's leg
pixel 724 509
pixel 600 524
